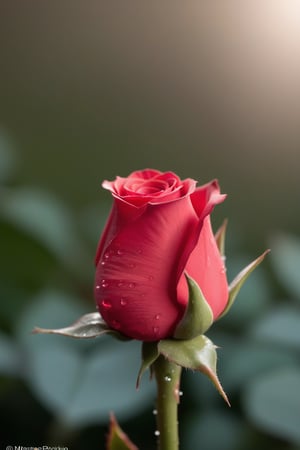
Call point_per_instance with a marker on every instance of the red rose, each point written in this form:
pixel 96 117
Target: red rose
pixel 159 228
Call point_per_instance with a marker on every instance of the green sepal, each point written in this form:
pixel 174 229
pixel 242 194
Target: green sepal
pixel 196 354
pixel 117 439
pixel 87 326
pixel 220 237
pixel 198 315
pixel 239 280
pixel 150 354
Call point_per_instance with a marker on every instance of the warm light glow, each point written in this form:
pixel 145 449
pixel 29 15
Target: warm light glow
pixel 283 16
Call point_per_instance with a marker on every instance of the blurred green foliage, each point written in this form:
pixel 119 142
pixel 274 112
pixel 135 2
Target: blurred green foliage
pixel 54 390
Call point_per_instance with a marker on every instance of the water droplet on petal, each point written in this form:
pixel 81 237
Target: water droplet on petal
pixel 157 317
pixel 116 324
pixel 102 263
pixel 123 302
pixel 131 285
pixel 97 287
pixel 106 255
pixel 167 378
pixel 120 283
pixel 119 252
pixel 104 283
pixel 150 277
pixel 155 330
pixel 106 304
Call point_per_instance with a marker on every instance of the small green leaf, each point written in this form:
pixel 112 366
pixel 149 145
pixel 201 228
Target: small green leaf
pixel 239 280
pixel 117 439
pixel 196 354
pixel 149 354
pixel 88 326
pixel 220 237
pixel 198 315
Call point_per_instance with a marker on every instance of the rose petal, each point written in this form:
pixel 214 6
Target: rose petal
pixel 136 283
pixel 206 266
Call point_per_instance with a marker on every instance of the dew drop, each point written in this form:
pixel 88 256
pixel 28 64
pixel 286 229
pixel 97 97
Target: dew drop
pixel 139 251
pixel 106 255
pixel 102 263
pixel 116 324
pixel 155 330
pixel 150 277
pixel 157 433
pixel 154 412
pixel 223 270
pixel 119 252
pixel 157 317
pixel 120 283
pixel 167 378
pixel 97 287
pixel 106 304
pixel 104 283
pixel 123 302
pixel 131 285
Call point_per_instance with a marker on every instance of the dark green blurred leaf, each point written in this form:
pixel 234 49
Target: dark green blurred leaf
pixel 251 360
pixel 213 430
pixel 285 258
pixel 52 372
pixel 10 357
pixel 273 403
pixel 96 375
pixel 280 327
pixel 45 220
pixel 25 263
pixel 107 383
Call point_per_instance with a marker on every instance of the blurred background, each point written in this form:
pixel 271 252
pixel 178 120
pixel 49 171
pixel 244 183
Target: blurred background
pixel 91 90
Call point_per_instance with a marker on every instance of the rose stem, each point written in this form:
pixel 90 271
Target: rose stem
pixel 167 376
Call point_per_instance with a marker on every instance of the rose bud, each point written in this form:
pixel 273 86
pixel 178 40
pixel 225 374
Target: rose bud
pixel 158 230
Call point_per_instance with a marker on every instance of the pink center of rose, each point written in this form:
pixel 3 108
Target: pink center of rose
pixel 149 187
